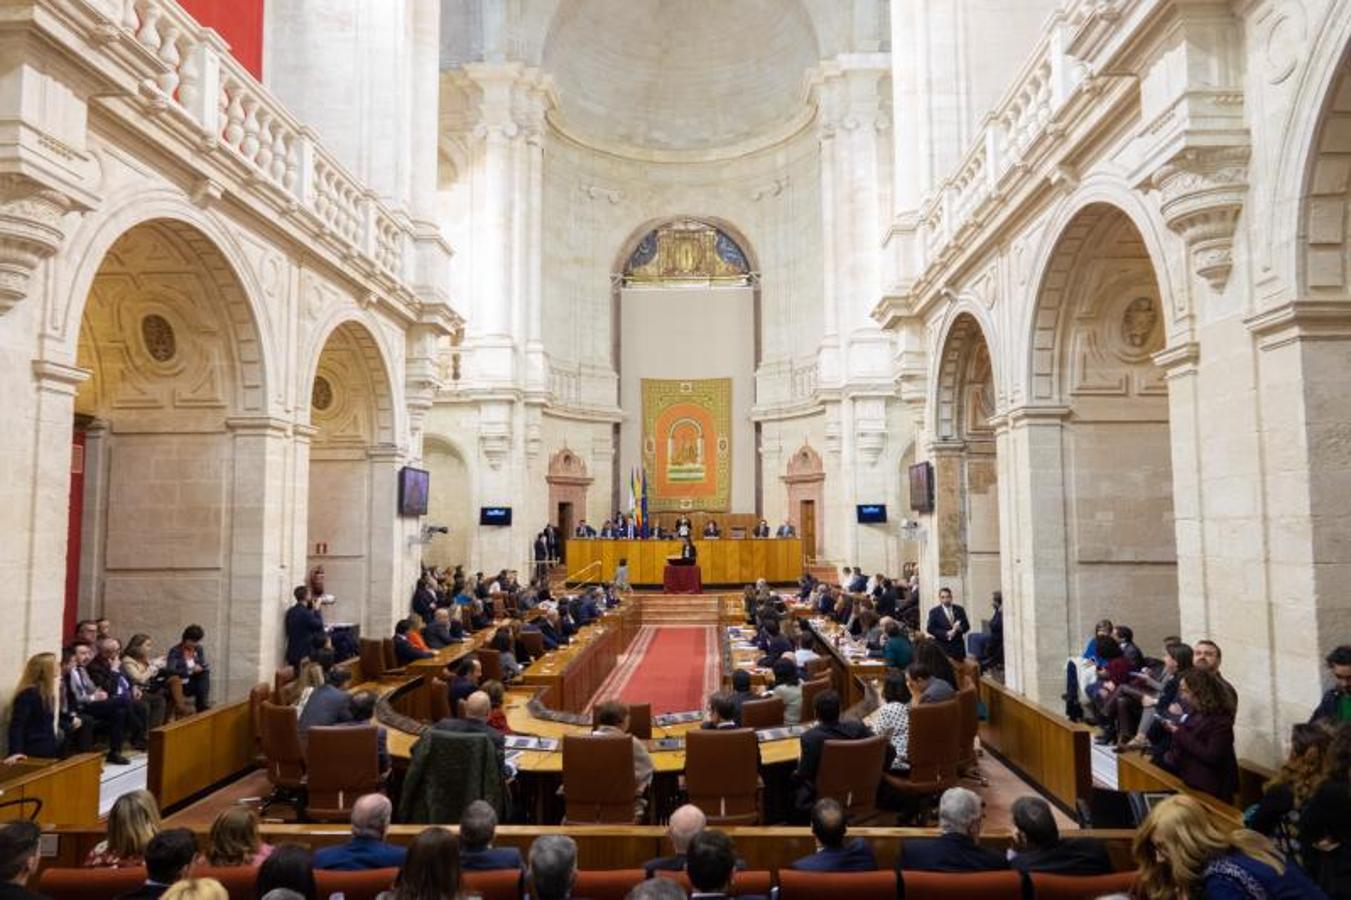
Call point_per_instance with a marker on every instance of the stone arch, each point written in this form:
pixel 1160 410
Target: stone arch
pixel 805 480
pixel 966 329
pixel 568 481
pixel 1323 262
pixel 226 268
pixel 568 465
pixel 806 464
pixel 354 338
pixel 451 501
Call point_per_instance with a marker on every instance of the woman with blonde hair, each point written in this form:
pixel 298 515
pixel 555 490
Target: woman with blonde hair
pixel 1181 852
pixel 132 822
pixel 311 677
pixel 33 720
pixel 196 889
pixel 234 840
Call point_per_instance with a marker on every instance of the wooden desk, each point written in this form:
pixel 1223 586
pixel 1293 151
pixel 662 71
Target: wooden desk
pixel 571 674
pixel 1046 747
pixel 1134 772
pixel 68 789
pixel 722 561
pixel 189 755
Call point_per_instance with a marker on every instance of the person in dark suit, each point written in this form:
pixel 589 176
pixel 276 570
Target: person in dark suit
pixel 889 601
pixel 761 530
pixel 187 660
pixel 710 863
pixel 786 530
pixel 688 553
pixel 404 650
pixel 478 825
pixel 773 642
pixel 711 529
pixel 37 703
pixel 828 727
pixel 684 824
pixel 541 556
pixel 583 530
pixel 19 860
pixel 303 623
pixel 832 853
pixel 477 707
pixel 607 530
pixel 741 692
pixel 468 674
pixel 1041 849
pixel 955 850
pixel 167 858
pixel 329 704
pixel 722 713
pixel 367 848
pixel 948 624
pixel 551 626
pixel 425 600
pixel 442 631
pixel 858 583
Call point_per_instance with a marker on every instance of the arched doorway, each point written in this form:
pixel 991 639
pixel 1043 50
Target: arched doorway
pixel 1092 528
pixel 352 514
pixel 805 483
pixel 168 529
pixel 966 479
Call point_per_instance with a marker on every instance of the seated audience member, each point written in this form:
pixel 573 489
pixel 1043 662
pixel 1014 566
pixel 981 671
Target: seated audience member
pixel 367 848
pixel 196 889
pixel 761 529
pixel 478 826
pixel 37 705
pixel 310 677
pixel 888 599
pixel 788 688
pixel 132 822
pixel 1206 655
pixel 187 660
pixel 857 583
pixel 711 529
pixel 1100 630
pixel 106 671
pixel 872 633
pixel 1125 639
pixel 612 717
pixel 988 646
pixel 553 867
pixel 960 813
pixel 1113 673
pixel 833 854
pixel 940 664
pixel 477 707
pixel 684 824
pixel 741 691
pixel 467 675
pixel 1040 847
pixel 415 626
pixel 90 702
pixel 786 530
pixel 503 643
pixel 303 624
pixel 828 727
pixel 583 530
pixel 925 687
pixel 86 630
pixel 405 651
pixel 167 858
pixel 1177 659
pixel 721 713
pixel 656 889
pixel 146 675
pixel 710 864
pixel 897 651
pixel 1325 821
pixel 497 716
pixel 19 859
pixel 431 870
pixel 1181 852
pixel 1335 707
pixel 363 713
pixel 234 840
pixel 550 625
pixel 806 650
pixel 892 719
pixel 328 704
pixel 443 630
pixel 289 872
pixel 1201 745
pixel 1276 814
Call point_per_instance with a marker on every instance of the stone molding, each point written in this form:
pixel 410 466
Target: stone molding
pixel 1178 360
pixel 1036 415
pixel 58 378
pixel 1299 321
pixel 31 230
pixel 1202 192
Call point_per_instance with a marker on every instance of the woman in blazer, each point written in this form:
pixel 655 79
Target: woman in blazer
pixel 32 724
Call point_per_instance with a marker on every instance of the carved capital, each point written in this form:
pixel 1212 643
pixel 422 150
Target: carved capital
pixel 30 231
pixel 1202 192
pixel 494 443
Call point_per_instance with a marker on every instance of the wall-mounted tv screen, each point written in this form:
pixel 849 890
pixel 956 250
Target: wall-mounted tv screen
pixel 413 484
pixel 494 515
pixel 922 487
pixel 872 513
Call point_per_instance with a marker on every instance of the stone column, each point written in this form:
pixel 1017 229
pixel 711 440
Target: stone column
pixel 258 587
pixel 1180 365
pixel 94 522
pixel 387 548
pixel 1036 611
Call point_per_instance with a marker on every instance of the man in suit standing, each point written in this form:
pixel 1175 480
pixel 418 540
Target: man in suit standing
pixel 832 853
pixel 955 850
pixel 553 540
pixel 167 858
pixel 478 824
pixel 948 624
pixel 1041 849
pixel 541 556
pixel 367 848
pixel 828 727
pixel 303 623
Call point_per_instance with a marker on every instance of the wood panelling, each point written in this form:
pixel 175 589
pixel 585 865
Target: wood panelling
pixel 68 789
pixel 191 754
pixel 1048 748
pixel 1136 773
pixel 723 561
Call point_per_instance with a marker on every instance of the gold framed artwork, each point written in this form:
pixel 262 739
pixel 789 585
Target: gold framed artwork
pixel 687 443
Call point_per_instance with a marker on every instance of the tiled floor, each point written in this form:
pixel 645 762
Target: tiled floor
pixel 118 780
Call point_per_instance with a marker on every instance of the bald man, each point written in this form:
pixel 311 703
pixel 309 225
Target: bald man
pixel 477 706
pixel 367 848
pixel 685 823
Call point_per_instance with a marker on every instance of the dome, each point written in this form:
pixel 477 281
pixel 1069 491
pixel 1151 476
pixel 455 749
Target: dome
pixel 678 75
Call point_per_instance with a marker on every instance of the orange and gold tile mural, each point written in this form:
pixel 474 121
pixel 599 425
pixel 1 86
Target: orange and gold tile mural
pixel 687 443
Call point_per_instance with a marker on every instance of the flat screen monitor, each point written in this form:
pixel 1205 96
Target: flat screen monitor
pixel 494 515
pixel 872 513
pixel 413 485
pixel 922 487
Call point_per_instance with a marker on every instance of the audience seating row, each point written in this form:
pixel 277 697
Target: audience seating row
pixel 87 884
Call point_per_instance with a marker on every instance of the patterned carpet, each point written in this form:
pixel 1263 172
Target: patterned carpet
pixel 673 667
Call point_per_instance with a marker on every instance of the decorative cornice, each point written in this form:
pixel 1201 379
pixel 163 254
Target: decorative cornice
pixel 53 376
pixel 1179 359
pixel 259 425
pixel 1202 192
pixel 1299 321
pixel 30 231
pixel 1035 414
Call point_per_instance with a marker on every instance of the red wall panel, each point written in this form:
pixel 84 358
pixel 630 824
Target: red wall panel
pixel 240 22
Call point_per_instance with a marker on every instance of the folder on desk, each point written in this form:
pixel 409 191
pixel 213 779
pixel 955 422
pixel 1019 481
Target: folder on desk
pixel 530 742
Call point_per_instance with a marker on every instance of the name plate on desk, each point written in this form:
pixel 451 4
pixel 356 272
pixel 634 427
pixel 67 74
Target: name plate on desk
pixel 678 718
pixel 783 731
pixel 530 742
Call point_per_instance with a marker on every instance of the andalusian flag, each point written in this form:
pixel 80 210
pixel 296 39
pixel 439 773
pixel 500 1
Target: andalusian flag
pixel 642 518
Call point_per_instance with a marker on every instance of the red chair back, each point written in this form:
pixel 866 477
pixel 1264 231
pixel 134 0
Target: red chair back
pixel 503 884
pixel 354 885
pixel 238 881
pixel 1006 885
pixel 756 883
pixel 795 885
pixel 607 885
pixel 85 884
pixel 1081 887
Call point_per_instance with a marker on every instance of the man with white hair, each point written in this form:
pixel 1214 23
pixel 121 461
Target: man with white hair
pixel 685 823
pixel 367 848
pixel 960 813
pixel 553 867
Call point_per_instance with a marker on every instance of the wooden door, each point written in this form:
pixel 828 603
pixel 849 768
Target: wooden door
pixel 806 527
pixel 565 527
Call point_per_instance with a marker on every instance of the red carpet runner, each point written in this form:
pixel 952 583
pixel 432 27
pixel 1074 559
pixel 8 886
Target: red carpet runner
pixel 673 667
